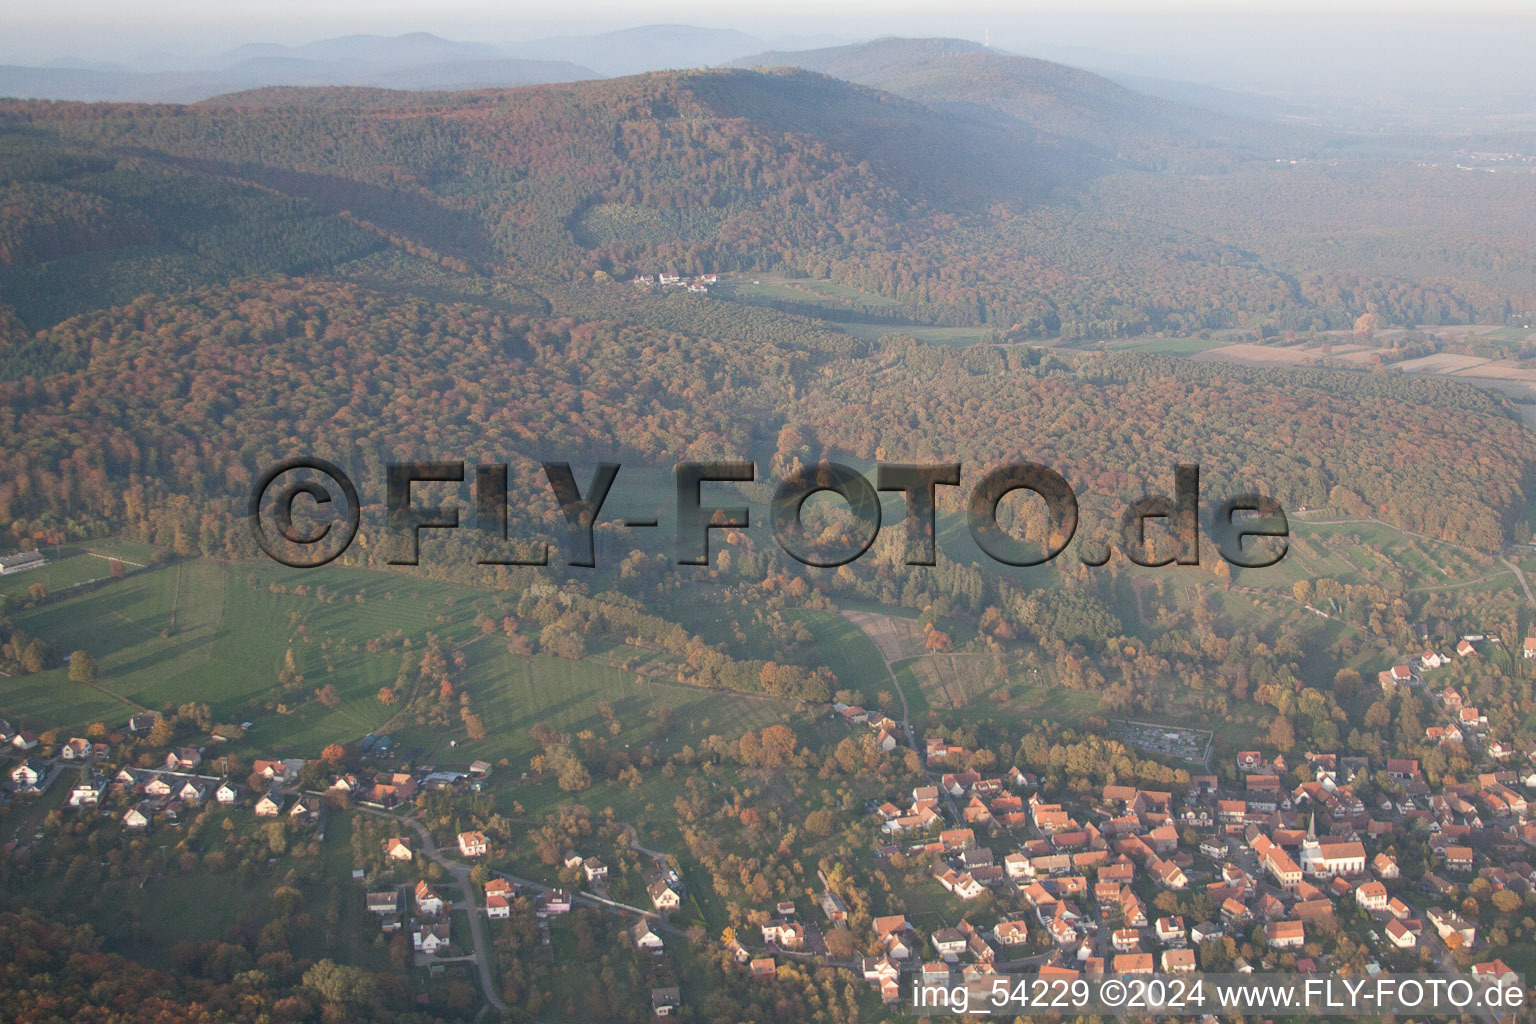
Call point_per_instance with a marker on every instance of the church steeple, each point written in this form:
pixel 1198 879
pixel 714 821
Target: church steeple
pixel 1312 827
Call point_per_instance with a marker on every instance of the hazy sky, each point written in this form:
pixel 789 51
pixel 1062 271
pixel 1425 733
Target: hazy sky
pixel 1476 44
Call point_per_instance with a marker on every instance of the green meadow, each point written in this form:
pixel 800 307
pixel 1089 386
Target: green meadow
pixel 207 631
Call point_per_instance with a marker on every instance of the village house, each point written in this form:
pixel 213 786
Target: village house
pixel 877 967
pixel 497 906
pixel 1372 896
pixel 1457 858
pixel 784 934
pixel 1400 935
pixel 1496 971
pixel 1277 863
pixel 891 930
pixel 1205 932
pixel 1011 932
pixel 664 897
pixel 958 839
pixel 1132 911
pixel 1286 935
pixel 473 844
pixel 1384 865
pixel 1133 963
pixel 28 774
pixel 394 788
pixel 1170 931
pixel 554 901
pixel 398 848
pixel 1448 923
pixel 427 900
pixel 383 901
pixel 88 794
pixel 432 938
pixel 948 943
pixel 645 937
pixel 665 1001
pixel 1178 961
pixel 833 906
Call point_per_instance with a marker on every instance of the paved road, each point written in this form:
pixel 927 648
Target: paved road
pixel 477 929
pixel 1521 577
pixel 634 844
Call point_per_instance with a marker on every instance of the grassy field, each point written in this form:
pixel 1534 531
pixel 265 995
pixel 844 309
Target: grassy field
pixel 807 295
pixel 918 706
pixel 1045 700
pixel 776 288
pixel 73 564
pixel 202 630
pixel 1171 346
pixel 873 330
pixel 1371 552
pixel 845 649
pixel 66 568
pixel 953 681
pixel 513 693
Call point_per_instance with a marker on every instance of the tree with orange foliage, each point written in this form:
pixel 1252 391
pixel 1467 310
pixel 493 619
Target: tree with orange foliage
pixel 776 746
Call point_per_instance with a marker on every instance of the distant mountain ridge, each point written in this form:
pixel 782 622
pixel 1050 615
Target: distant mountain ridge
pixel 1056 99
pixel 408 49
pixel 631 51
pixel 414 61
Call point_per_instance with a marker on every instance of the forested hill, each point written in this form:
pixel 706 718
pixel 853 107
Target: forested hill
pixel 196 286
pixel 945 212
pixel 162 400
pixel 708 170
